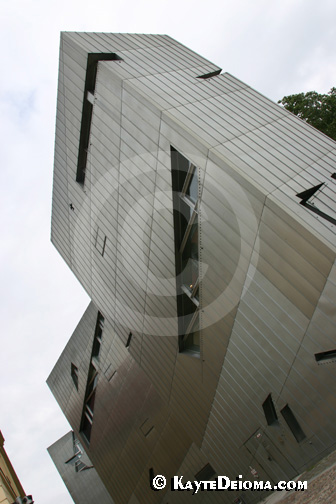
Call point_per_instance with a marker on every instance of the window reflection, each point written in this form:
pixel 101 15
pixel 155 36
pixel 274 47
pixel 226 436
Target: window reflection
pixel 190 258
pixel 92 381
pixel 192 340
pixel 192 190
pixel 185 200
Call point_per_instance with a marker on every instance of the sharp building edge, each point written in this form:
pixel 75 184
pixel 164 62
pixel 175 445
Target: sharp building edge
pixel 209 345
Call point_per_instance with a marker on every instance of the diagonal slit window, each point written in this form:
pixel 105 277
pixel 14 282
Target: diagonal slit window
pixel 74 374
pixel 190 188
pixel 92 381
pixel 186 232
pixel 190 270
pixel 293 424
pixel 90 395
pixel 191 339
pixel 98 336
pixel 269 410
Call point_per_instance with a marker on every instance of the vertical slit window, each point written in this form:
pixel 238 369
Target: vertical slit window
pixel 89 90
pixel 128 342
pixel 269 410
pixel 190 268
pixel 92 381
pixel 90 395
pixel 293 424
pixel 98 336
pixel 190 188
pixel 74 374
pixel 191 338
pixel 186 234
pixel 151 477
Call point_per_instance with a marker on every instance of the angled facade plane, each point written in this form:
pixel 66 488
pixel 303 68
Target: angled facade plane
pixel 199 216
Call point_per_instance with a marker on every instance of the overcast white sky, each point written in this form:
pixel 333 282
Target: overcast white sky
pixel 279 47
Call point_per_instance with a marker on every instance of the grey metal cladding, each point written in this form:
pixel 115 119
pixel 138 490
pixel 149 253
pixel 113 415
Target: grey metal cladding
pixel 268 270
pixel 82 481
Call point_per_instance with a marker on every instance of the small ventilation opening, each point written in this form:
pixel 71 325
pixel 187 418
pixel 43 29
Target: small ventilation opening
pixel 269 410
pixel 210 74
pixel 129 340
pixel 323 357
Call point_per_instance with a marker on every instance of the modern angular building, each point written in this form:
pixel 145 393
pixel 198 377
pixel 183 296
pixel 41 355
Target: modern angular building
pixel 77 471
pixel 200 218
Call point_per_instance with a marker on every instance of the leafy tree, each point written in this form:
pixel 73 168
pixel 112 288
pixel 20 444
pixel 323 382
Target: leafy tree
pixel 316 109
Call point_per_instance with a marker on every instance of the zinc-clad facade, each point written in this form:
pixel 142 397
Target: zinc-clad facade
pixel 77 471
pixel 266 270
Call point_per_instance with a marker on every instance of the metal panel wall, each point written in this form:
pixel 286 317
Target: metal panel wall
pixel 267 266
pixel 84 486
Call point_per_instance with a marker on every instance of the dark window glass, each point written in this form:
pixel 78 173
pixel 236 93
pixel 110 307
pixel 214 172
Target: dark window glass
pixel 330 355
pixel 98 336
pixel 86 428
pixel 180 167
pixel 128 342
pixel 185 204
pixel 74 374
pixel 90 403
pixel 90 80
pixel 269 410
pixel 92 373
pixel 206 473
pixel 184 216
pixel 96 347
pixel 190 269
pixel 92 381
pixel 92 384
pixel 293 424
pixel 192 190
pixel 192 340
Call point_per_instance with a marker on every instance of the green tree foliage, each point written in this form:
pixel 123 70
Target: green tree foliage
pixel 319 110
